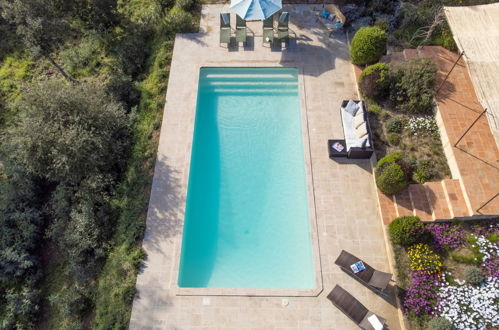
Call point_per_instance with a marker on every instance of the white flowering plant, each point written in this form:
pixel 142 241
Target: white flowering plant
pixel 422 125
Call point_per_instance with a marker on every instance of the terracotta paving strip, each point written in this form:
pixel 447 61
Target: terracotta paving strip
pixel 387 206
pixel 436 196
pixel 456 198
pixel 404 204
pixel 420 202
pixel 477 155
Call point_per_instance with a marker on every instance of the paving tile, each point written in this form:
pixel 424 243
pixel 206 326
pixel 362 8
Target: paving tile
pixel 345 197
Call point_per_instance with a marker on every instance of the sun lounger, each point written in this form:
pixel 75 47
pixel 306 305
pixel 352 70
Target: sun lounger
pixel 268 30
pixel 282 27
pixel 240 29
pixel 357 312
pixel 225 31
pixel 370 277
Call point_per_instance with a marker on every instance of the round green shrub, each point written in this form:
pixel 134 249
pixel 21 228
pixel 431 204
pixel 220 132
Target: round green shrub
pixel 390 158
pixel 406 231
pixel 394 139
pixel 390 178
pixel 473 275
pixel 394 125
pixel 439 323
pixel 368 45
pixel 374 81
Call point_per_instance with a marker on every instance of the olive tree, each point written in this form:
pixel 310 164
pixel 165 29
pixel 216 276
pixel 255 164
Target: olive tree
pixel 67 133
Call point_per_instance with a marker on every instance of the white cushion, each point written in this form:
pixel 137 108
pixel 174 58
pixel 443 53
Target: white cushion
pixel 375 322
pixel 352 108
pixel 361 130
pixel 358 120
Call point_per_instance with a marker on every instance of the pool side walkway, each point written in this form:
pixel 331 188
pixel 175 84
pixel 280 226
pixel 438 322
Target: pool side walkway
pixel 344 193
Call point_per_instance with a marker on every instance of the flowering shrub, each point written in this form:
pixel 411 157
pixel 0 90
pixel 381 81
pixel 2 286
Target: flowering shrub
pixel 422 125
pixel 490 256
pixel 486 230
pixel 470 307
pixel 422 259
pixel 446 236
pixel 421 296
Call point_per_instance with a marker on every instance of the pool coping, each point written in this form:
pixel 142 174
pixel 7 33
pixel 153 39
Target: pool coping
pixel 313 226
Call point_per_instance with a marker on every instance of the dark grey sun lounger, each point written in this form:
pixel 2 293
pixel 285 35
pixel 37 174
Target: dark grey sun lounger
pixel 225 31
pixel 240 30
pixel 371 277
pixel 352 308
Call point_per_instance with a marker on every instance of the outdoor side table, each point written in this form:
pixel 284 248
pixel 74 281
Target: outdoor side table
pixel 335 153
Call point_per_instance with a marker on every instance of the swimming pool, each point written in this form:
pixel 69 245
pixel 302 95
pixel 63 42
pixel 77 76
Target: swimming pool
pixel 247 222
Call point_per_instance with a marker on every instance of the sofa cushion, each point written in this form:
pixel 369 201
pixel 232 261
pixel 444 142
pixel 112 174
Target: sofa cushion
pixel 358 120
pixel 362 130
pixel 352 108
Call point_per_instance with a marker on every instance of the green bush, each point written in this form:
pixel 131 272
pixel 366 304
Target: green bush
pixel 394 139
pixel 406 231
pixel 473 275
pixel 184 4
pixel 424 171
pixel 390 158
pixel 121 87
pixel 374 81
pixel 439 323
pixel 83 59
pixel 394 125
pixel 177 21
pixel 374 109
pixel 390 178
pixel 412 86
pixel 368 45
pixel 464 259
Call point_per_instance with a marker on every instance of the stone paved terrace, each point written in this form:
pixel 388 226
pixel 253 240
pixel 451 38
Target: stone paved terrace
pixel 344 192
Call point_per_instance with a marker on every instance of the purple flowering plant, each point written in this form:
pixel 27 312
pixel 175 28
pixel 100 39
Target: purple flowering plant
pixel 447 236
pixel 421 296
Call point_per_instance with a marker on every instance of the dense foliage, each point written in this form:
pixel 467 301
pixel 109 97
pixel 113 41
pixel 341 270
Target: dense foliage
pixel 77 158
pixel 374 81
pixel 368 45
pixel 406 230
pixel 391 174
pixel 412 86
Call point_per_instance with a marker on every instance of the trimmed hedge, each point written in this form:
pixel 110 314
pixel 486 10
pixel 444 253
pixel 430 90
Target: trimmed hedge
pixel 374 81
pixel 406 231
pixel 368 45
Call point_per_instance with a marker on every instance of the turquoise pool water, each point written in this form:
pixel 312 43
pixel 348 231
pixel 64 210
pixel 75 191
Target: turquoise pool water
pixel 247 222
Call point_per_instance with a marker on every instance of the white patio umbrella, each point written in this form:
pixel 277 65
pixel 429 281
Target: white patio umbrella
pixel 255 9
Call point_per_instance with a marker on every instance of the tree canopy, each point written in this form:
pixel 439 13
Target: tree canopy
pixel 67 133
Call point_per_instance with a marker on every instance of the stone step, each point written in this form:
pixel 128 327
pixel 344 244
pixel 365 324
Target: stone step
pixel 438 200
pixel 404 203
pixel 442 200
pixel 456 198
pixel 387 206
pixel 422 207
